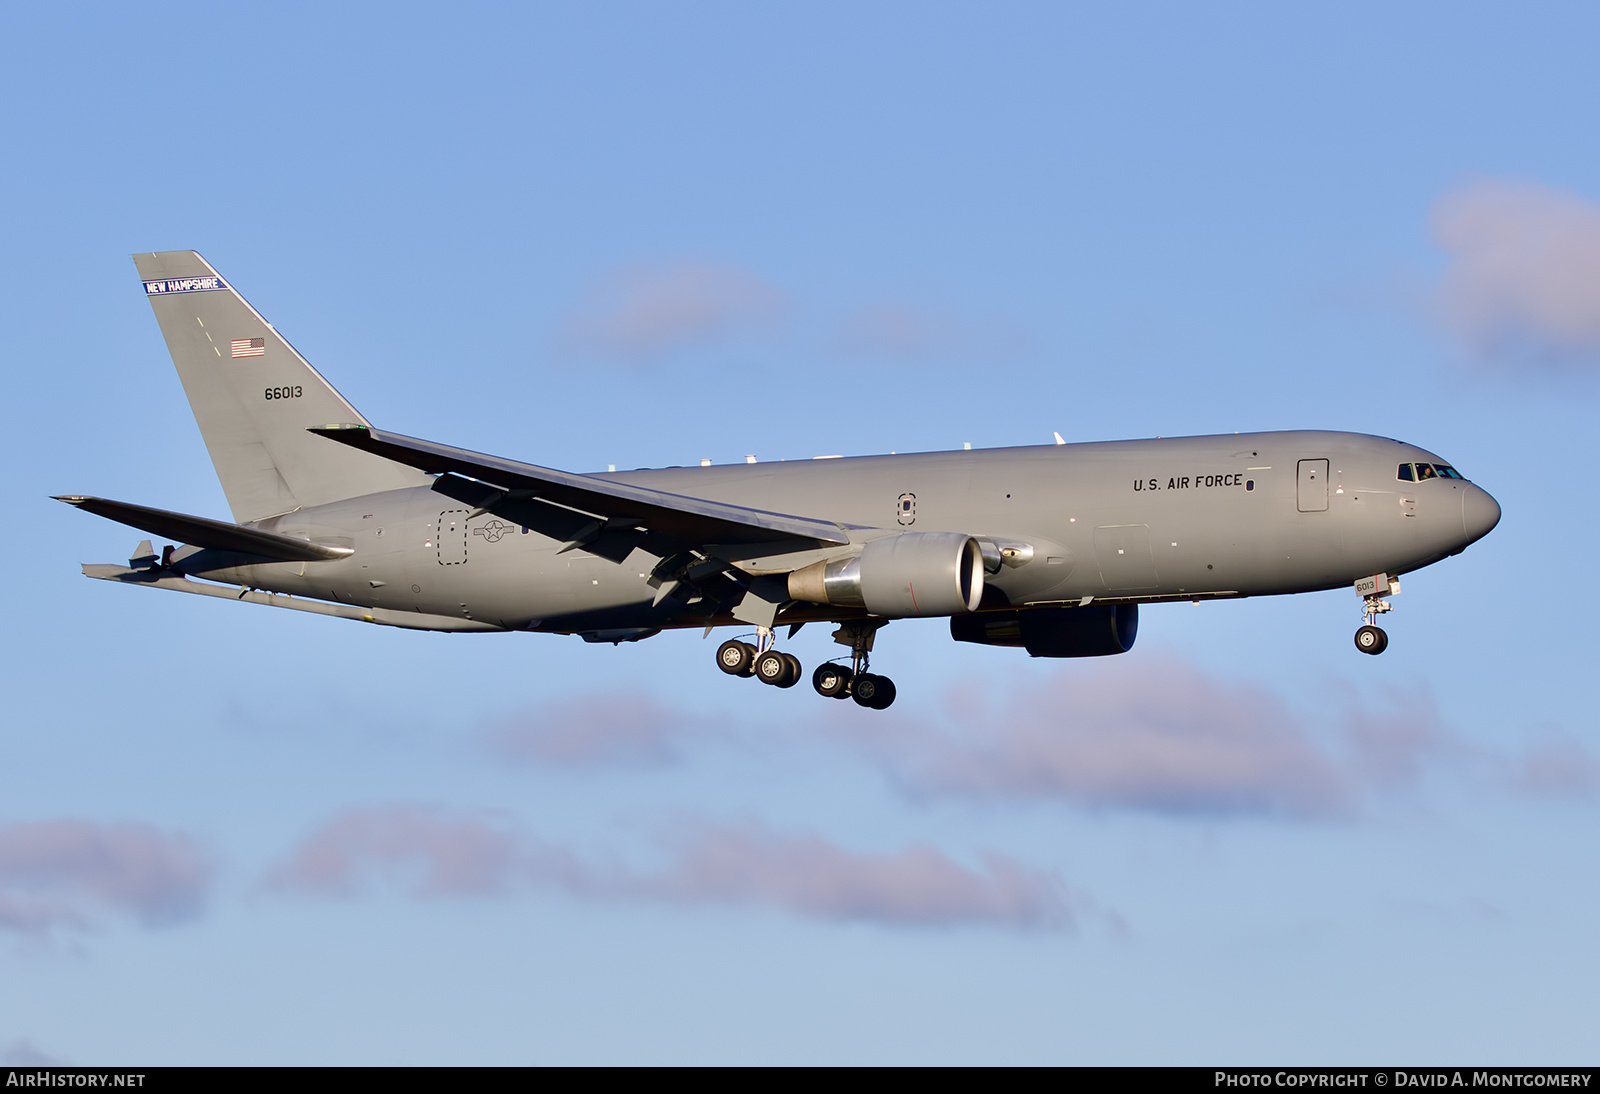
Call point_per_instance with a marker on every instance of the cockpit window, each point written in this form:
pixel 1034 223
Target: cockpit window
pixel 1417 472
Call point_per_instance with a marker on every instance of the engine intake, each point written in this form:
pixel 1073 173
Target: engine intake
pixel 1097 630
pixel 908 575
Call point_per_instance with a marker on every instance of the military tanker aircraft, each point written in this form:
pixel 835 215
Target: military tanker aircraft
pixel 1049 548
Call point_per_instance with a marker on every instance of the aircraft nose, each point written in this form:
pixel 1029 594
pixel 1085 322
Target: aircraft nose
pixel 1479 512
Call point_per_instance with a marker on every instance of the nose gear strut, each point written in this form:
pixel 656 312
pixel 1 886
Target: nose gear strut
pixel 1371 638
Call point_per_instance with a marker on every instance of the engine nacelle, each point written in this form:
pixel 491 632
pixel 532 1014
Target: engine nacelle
pixel 1093 631
pixel 908 575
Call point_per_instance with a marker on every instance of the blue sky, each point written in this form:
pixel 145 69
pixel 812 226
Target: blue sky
pixel 645 235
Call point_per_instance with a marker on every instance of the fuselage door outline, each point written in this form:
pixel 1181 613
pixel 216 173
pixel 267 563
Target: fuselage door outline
pixel 1311 495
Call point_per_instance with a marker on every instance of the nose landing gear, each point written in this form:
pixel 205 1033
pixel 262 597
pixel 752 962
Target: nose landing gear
pixel 1371 638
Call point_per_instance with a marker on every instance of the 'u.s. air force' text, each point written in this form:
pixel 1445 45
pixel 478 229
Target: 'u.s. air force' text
pixel 1189 482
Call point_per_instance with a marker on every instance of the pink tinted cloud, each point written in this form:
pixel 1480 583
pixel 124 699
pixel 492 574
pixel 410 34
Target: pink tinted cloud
pixel 1524 273
pixel 24 1053
pixel 899 332
pixel 63 873
pixel 1157 735
pixel 629 729
pixel 809 875
pixel 428 851
pixel 1391 739
pixel 1557 767
pixel 644 312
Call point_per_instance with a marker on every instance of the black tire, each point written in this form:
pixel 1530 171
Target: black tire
pixel 772 667
pixel 796 671
pixel 885 694
pixel 864 689
pixel 831 681
pixel 749 665
pixel 1370 639
pixel 734 658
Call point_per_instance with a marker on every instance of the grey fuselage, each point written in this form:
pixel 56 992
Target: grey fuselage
pixel 1149 520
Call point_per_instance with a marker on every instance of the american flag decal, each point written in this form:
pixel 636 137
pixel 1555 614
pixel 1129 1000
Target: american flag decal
pixel 249 347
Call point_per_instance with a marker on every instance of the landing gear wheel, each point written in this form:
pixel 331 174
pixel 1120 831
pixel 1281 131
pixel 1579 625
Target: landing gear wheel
pixel 796 670
pixel 773 667
pixel 735 657
pixel 885 694
pixel 1370 639
pixel 831 681
pixel 872 691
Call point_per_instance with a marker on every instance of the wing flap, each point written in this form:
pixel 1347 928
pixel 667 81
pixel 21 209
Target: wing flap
pixel 219 535
pixel 676 517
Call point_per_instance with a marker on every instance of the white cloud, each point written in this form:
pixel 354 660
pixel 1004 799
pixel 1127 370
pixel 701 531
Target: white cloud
pixel 1524 276
pixel 644 312
pixel 894 331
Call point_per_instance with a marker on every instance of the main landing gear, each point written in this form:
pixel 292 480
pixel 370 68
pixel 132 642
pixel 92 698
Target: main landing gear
pixel 766 664
pixel 1371 638
pixel 832 680
pixel 836 681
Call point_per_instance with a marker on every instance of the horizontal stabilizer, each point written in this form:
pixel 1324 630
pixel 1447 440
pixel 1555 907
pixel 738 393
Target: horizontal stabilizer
pixel 384 617
pixel 218 535
pixel 688 520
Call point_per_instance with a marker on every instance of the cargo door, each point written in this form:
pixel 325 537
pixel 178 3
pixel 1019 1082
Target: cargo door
pixel 1313 490
pixel 1123 551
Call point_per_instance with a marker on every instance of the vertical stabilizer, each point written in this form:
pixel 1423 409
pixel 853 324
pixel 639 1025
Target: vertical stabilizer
pixel 254 397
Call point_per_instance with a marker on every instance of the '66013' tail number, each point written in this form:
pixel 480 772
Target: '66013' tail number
pixel 283 392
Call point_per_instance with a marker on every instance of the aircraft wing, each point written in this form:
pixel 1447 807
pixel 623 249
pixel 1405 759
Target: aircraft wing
pixel 219 535
pixel 681 520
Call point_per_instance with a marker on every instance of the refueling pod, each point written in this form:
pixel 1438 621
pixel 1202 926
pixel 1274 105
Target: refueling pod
pixel 1095 630
pixel 908 575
